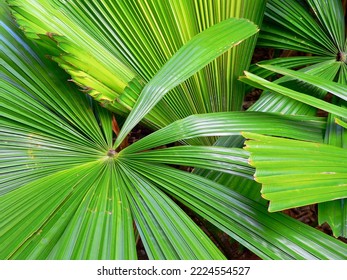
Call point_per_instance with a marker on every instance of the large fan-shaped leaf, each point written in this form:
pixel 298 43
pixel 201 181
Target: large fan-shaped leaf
pixel 76 198
pixel 271 236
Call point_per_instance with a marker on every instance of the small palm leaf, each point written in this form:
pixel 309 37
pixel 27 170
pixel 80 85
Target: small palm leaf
pixel 289 25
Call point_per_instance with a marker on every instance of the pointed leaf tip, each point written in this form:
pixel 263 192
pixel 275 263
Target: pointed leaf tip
pixel 190 58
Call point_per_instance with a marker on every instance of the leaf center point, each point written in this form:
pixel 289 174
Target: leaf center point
pixel 342 56
pixel 112 153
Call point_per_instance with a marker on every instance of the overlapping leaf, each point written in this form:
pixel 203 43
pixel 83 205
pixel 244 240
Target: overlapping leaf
pixel 318 28
pixel 321 177
pixel 337 89
pixel 289 25
pixel 299 96
pixel 199 51
pixel 99 40
pixel 233 123
pixel 243 219
pixel 46 125
pixel 77 210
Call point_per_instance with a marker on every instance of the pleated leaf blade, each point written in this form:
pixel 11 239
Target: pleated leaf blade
pixel 270 236
pixel 321 176
pixel 233 123
pixel 199 51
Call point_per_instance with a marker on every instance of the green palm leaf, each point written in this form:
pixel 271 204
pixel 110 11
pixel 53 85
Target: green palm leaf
pixel 99 40
pixel 332 211
pixel 318 28
pixel 321 176
pixel 270 101
pixel 167 232
pixel 273 102
pixel 302 97
pixel 243 219
pixel 289 25
pixel 228 160
pixel 66 194
pixel 193 56
pixel 70 211
pixel 232 123
pixel 324 84
pixel 331 17
pixel 286 62
pixel 89 222
pixel 46 125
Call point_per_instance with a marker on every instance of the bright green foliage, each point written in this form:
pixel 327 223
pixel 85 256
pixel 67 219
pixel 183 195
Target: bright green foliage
pixel 184 63
pixel 318 28
pixel 66 193
pixel 72 202
pixel 290 25
pixel 299 96
pixel 113 48
pixel 321 177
